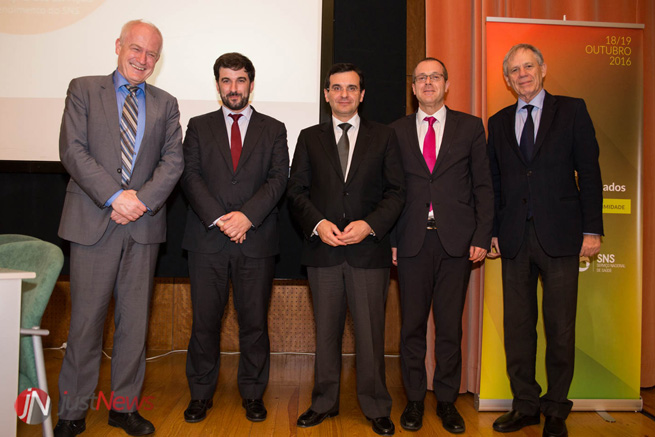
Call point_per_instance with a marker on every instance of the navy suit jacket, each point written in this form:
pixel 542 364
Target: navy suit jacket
pixel 561 183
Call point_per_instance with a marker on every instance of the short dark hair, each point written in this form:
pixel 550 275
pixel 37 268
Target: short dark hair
pixel 429 58
pixel 344 67
pixel 234 61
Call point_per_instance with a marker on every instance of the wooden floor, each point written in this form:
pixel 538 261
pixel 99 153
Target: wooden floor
pixel 288 395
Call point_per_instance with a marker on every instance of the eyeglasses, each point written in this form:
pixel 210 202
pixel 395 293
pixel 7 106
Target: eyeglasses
pixel 434 77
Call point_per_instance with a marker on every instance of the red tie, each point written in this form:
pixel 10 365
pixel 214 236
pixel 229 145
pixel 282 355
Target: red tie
pixel 430 145
pixel 235 141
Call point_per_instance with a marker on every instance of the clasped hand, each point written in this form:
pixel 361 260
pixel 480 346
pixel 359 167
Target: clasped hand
pixel 355 232
pixel 234 225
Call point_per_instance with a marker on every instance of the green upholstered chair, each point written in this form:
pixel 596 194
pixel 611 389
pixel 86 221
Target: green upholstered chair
pixel 12 238
pixel 45 259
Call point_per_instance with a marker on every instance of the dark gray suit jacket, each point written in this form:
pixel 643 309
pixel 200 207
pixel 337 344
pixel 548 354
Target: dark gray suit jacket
pixel 459 187
pixel 90 150
pixel 213 188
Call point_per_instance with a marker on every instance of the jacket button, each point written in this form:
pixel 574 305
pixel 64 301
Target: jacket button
pixel 345 193
pixel 430 180
pixel 234 181
pixel 118 170
pixel 529 173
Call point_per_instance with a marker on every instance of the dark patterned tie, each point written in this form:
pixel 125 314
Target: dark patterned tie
pixel 129 119
pixel 343 146
pixel 527 136
pixel 235 140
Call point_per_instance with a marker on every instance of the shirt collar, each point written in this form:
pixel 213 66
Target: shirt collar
pixel 440 115
pixel 354 122
pixel 246 112
pixel 537 102
pixel 120 81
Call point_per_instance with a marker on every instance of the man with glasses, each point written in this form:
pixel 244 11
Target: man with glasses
pixel 444 228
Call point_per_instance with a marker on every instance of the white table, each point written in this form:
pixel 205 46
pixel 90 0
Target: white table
pixel 10 296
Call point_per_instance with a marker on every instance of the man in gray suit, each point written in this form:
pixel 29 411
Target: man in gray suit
pixel 121 143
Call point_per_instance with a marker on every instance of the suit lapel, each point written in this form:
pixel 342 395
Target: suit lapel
pixel 361 147
pixel 255 127
pixel 152 114
pixel 411 137
pixel 448 136
pixel 219 131
pixel 329 144
pixel 108 97
pixel 547 117
pixel 509 123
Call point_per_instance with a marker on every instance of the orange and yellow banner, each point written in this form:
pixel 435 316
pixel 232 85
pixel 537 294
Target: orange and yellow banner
pixel 601 63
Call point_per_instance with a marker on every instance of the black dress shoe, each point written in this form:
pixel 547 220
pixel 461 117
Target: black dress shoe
pixel 555 427
pixel 69 428
pixel 514 420
pixel 412 417
pixel 197 410
pixel 383 425
pixel 255 410
pixel 311 418
pixel 131 423
pixel 450 418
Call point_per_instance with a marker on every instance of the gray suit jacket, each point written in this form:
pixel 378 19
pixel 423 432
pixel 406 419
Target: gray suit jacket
pixel 213 188
pixel 89 148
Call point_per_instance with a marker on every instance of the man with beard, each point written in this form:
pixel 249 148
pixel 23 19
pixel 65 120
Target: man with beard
pixel 237 164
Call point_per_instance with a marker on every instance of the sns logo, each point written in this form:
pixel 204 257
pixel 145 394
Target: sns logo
pixel 606 258
pixel 26 406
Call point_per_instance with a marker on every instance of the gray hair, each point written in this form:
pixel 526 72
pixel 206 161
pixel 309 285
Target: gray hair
pixel 516 48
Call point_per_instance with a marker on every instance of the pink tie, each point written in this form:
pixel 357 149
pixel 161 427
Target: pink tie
pixel 430 145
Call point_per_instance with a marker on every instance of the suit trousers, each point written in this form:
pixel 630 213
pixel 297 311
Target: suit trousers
pixel 364 291
pixel 252 278
pixel 432 280
pixel 119 266
pixel 559 277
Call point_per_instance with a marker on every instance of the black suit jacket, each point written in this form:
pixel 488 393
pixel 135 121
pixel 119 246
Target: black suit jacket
pixel 213 188
pixel 374 192
pixel 459 187
pixel 563 208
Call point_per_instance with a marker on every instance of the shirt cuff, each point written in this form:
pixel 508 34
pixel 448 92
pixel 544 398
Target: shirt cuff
pixel 112 198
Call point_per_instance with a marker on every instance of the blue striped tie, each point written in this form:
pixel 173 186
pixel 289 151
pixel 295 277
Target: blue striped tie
pixel 128 134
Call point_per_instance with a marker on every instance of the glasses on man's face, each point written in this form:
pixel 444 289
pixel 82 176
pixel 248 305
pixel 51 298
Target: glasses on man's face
pixel 434 77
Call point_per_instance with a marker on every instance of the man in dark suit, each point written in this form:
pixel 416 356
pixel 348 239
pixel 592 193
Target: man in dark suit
pixel 121 143
pixel 346 191
pixel 233 187
pixel 444 227
pixel 548 201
